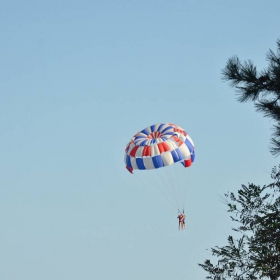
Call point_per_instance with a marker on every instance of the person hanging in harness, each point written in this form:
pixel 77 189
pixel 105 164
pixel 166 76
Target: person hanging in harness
pixel 179 217
pixel 182 218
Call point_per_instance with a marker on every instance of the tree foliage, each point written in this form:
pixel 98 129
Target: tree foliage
pixel 261 87
pixel 255 253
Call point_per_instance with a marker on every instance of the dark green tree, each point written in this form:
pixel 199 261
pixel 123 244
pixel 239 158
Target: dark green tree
pixel 261 87
pixel 255 252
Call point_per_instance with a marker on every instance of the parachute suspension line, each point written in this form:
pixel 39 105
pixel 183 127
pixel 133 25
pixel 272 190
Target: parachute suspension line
pixel 179 185
pixel 165 184
pixel 159 184
pixel 187 184
pixel 171 183
pixel 179 211
pixel 180 171
pixel 151 185
pixel 164 187
pixel 182 182
pixel 186 188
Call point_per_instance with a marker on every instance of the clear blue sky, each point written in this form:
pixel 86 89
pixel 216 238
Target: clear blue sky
pixel 77 80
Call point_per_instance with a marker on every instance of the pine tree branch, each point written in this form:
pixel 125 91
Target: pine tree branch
pixel 262 88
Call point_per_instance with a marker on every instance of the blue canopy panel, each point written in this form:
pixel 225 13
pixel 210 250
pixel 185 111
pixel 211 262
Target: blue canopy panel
pixel 158 162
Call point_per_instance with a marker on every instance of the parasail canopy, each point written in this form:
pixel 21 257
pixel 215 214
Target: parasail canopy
pixel 157 146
